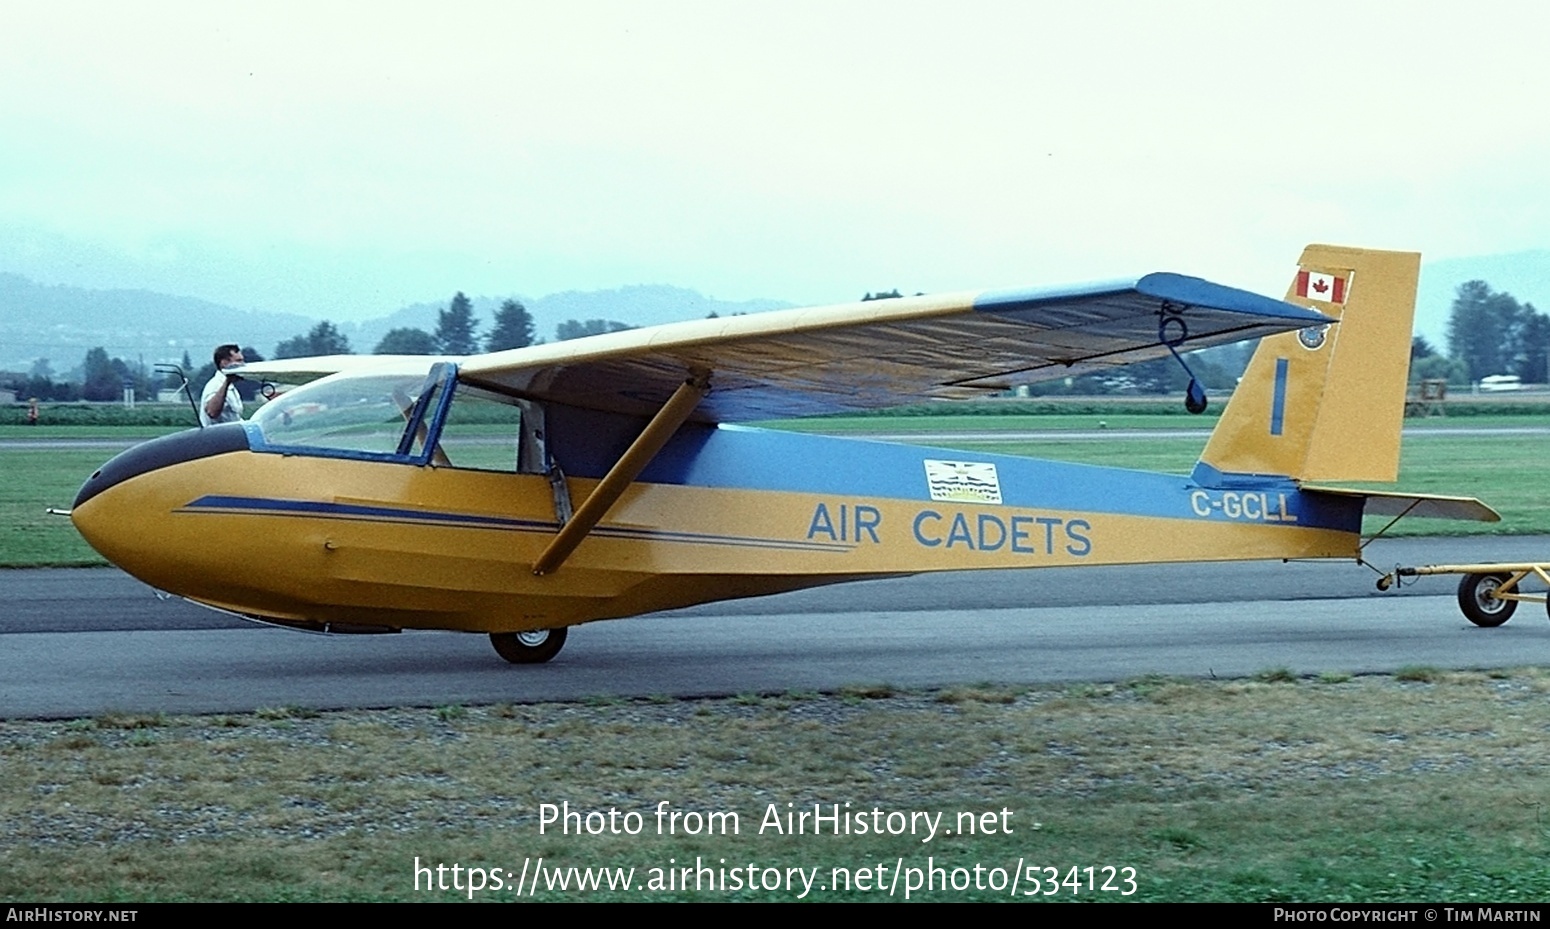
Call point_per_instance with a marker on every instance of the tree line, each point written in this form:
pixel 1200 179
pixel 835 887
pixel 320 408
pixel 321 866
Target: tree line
pixel 101 378
pixel 457 333
pixel 1489 332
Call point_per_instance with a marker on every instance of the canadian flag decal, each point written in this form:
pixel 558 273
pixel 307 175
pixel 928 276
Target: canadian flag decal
pixel 1316 285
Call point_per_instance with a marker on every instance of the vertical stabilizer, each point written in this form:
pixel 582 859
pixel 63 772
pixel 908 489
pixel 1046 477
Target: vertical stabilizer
pixel 1327 402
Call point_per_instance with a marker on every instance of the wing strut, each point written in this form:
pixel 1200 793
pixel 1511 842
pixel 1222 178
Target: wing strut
pixel 623 473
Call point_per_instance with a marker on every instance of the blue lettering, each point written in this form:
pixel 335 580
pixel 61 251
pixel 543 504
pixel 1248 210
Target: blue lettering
pixel 990 532
pixel 1078 539
pixel 821 523
pixel 867 518
pixel 987 520
pixel 1020 534
pixel 842 523
pixel 1049 523
pixel 959 532
pixel 921 517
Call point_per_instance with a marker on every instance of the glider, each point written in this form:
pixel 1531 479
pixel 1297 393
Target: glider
pixel 522 492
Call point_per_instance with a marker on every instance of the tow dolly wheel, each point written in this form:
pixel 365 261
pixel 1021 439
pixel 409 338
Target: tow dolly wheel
pixel 1478 600
pixel 532 647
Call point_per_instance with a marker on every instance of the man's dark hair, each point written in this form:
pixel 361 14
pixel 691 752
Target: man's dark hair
pixel 224 352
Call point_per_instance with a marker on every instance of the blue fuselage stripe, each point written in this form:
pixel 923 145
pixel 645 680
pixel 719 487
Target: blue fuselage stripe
pixel 317 509
pixel 742 458
pixel 1278 401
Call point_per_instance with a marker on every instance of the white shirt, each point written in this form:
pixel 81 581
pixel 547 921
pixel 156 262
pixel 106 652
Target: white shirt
pixel 233 409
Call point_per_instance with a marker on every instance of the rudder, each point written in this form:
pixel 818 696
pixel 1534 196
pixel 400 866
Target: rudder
pixel 1326 403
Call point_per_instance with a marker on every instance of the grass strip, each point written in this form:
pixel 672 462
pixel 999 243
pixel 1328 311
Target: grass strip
pixel 1332 788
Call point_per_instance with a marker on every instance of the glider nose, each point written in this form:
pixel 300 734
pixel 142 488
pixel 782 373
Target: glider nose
pixel 128 509
pixel 122 507
pixel 117 509
pixel 160 453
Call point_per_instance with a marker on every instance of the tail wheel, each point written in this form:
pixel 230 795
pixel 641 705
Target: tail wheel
pixel 533 647
pixel 1478 600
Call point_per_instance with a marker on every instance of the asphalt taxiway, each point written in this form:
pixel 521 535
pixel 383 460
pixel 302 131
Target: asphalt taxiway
pixel 78 642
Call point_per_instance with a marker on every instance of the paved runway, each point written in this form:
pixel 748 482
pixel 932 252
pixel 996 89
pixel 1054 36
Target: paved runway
pixel 86 641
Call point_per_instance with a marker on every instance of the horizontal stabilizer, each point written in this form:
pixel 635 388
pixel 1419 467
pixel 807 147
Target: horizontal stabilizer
pixel 1431 506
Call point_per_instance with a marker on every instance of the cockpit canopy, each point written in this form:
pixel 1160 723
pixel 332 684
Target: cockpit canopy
pixel 404 416
pixel 345 412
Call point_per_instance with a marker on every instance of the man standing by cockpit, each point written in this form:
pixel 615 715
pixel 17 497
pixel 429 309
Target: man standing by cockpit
pixel 220 402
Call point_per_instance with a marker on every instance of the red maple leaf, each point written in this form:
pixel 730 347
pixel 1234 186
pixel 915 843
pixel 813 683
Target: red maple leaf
pixel 1320 286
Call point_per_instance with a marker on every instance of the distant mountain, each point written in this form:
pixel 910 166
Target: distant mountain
pixel 1525 275
pixel 62 323
pixel 642 305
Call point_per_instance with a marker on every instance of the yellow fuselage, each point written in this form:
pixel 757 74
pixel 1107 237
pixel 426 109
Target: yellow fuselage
pixel 384 544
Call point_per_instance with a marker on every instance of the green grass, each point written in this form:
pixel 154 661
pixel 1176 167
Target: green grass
pixel 87 432
pixel 1500 470
pixel 165 415
pixel 1315 789
pixel 34 480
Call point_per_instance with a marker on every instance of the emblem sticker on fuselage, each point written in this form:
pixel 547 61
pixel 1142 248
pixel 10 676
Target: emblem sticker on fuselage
pixel 963 481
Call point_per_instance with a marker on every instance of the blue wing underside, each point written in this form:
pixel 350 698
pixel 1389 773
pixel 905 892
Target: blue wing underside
pixel 992 342
pixel 869 355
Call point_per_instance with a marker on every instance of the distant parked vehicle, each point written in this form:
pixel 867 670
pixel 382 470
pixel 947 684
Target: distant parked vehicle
pixel 1499 382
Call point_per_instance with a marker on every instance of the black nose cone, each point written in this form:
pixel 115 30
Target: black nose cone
pixel 159 453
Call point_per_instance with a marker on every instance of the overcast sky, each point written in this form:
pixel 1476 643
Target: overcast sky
pixel 345 159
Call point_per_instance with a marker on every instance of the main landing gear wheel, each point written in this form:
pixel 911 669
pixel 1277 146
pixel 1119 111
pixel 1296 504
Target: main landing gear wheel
pixel 534 647
pixel 1478 600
